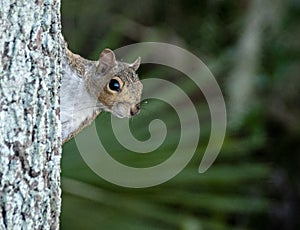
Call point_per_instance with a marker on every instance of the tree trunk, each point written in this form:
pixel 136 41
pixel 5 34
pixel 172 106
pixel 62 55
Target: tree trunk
pixel 30 132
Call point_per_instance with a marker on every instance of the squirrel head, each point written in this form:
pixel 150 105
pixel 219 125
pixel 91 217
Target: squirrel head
pixel 120 86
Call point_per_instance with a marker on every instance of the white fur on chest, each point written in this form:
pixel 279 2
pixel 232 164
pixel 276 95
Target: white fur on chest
pixel 77 105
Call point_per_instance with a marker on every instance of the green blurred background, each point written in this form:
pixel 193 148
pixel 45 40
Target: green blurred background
pixel 253 50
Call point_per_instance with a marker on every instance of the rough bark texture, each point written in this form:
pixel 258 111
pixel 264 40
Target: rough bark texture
pixel 30 131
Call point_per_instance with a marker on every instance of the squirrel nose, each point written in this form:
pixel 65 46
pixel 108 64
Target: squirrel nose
pixel 135 110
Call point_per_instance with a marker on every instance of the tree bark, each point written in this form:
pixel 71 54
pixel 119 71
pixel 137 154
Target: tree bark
pixel 30 131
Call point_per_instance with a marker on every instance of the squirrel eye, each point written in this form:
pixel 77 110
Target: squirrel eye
pixel 114 85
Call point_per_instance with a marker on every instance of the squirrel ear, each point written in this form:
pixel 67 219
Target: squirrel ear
pixel 108 58
pixel 135 65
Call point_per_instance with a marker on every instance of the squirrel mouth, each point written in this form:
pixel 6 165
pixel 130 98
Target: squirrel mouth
pixel 121 110
pixel 135 109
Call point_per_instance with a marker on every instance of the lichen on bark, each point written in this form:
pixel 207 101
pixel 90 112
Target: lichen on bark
pixel 30 132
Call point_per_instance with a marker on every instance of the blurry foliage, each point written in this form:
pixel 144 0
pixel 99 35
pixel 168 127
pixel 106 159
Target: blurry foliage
pixel 254 183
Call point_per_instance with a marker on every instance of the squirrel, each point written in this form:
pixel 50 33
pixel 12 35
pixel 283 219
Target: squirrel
pixel 89 87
